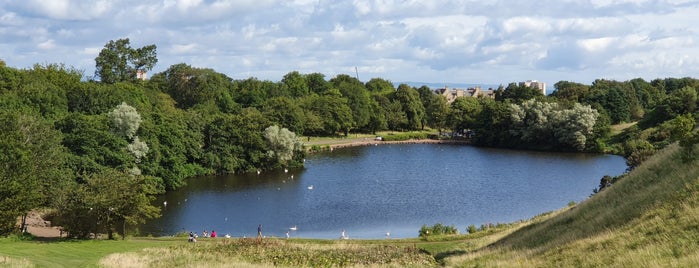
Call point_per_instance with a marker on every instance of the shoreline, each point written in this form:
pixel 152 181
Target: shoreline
pixel 371 142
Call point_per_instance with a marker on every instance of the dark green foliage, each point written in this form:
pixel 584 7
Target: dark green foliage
pixel 106 201
pixel 411 105
pixel 190 86
pixel 517 93
pixel 30 165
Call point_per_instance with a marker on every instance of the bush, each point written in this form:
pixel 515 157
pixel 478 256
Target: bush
pixel 405 136
pixel 472 229
pixel 437 229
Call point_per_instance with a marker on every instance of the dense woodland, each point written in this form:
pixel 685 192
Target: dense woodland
pixel 96 149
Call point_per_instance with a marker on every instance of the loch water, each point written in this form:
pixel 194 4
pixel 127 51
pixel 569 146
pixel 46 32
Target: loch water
pixel 384 191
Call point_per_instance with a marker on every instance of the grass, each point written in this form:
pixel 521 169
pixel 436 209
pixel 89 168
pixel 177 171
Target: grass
pixel 70 253
pixel 650 218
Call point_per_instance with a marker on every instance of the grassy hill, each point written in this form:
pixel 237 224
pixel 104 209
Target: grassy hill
pixel 650 218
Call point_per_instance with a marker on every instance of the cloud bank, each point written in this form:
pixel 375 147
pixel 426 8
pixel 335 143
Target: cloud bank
pixel 487 41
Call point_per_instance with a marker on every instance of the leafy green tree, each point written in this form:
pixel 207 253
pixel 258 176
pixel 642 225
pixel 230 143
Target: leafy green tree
pixel 94 146
pixel 29 166
pixel 190 86
pixel 285 112
pixel 463 113
pixel 10 78
pixel 107 200
pixel 380 85
pixel 316 83
pixel 437 112
pixel 517 93
pixel 295 84
pixel 332 109
pixel 494 123
pixel 377 117
pixel 251 92
pixel 409 99
pixel 575 127
pixel 283 144
pixel 125 120
pixel 357 99
pixel 570 91
pixel 118 62
pixel 533 122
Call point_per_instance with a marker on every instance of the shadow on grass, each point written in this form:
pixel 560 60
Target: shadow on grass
pixel 443 255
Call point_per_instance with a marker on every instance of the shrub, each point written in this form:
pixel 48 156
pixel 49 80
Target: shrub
pixel 437 229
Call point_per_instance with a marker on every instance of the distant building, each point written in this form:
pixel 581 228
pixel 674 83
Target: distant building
pixel 141 74
pixel 451 95
pixel 534 84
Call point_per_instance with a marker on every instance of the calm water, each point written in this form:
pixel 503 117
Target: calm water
pixel 371 191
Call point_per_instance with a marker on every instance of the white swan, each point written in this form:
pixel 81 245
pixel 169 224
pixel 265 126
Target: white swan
pixel 310 187
pixel 294 228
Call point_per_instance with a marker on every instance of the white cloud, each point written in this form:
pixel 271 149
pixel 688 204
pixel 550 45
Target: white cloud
pixel 489 40
pixel 47 45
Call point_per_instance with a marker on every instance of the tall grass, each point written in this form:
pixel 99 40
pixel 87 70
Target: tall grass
pixel 273 252
pixel 648 219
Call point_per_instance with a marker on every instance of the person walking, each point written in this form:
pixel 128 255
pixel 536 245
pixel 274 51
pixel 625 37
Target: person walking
pixel 259 231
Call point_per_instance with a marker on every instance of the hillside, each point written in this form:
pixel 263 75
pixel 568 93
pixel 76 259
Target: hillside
pixel 648 219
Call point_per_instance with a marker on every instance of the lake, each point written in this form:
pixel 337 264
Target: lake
pixel 385 191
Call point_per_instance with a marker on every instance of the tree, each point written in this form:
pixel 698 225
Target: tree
pixel 294 85
pixel 286 112
pixel 191 86
pixel 118 62
pixel 109 199
pixel 125 120
pixel 517 93
pixel 574 127
pixel 30 165
pixel 463 113
pixel 379 85
pixel 409 99
pixel 283 144
pixel 357 99
pixel 316 83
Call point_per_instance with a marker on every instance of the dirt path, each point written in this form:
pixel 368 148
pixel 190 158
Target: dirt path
pixel 41 228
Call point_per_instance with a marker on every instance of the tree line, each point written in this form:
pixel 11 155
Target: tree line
pixel 97 150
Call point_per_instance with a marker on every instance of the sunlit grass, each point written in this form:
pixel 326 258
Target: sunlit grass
pixel 648 219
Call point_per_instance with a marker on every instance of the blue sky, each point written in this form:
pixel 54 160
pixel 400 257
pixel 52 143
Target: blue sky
pixel 487 41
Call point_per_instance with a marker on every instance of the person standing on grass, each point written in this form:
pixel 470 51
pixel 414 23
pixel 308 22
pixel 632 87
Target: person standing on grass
pixel 259 231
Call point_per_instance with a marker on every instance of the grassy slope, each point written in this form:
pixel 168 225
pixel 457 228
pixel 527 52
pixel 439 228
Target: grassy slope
pixel 650 218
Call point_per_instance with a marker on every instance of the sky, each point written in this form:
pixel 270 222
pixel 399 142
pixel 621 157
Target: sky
pixel 477 42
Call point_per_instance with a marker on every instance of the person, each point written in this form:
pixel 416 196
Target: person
pixel 287 234
pixel 204 234
pixel 259 231
pixel 342 235
pixel 213 234
pixel 191 237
